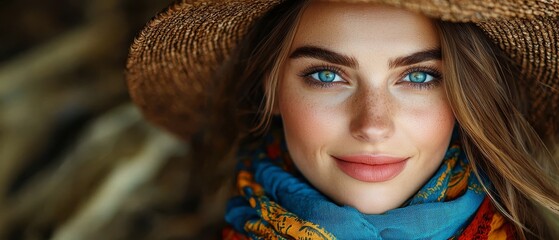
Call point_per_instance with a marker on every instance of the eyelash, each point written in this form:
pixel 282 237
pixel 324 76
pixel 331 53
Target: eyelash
pixel 437 76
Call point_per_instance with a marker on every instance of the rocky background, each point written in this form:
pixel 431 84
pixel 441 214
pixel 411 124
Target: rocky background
pixel 77 161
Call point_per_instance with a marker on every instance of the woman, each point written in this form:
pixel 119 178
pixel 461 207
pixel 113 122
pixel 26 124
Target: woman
pixel 388 124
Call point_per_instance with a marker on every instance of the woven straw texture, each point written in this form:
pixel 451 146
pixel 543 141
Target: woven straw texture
pixel 172 58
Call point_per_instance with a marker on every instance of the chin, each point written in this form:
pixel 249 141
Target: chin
pixel 373 209
pixel 374 205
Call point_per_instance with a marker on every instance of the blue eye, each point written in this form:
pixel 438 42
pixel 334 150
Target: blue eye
pixel 419 77
pixel 326 76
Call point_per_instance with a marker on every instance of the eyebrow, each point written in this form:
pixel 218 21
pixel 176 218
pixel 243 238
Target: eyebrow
pixel 340 59
pixel 417 57
pixel 324 54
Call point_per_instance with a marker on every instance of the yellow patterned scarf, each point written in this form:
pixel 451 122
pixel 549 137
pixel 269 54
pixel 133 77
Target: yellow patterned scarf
pixel 276 202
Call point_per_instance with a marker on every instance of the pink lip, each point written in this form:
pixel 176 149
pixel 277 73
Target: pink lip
pixel 371 168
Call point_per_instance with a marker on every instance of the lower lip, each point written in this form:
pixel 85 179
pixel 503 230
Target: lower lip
pixel 371 173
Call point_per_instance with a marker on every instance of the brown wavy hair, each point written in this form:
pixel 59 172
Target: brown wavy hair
pixel 483 90
pixel 480 82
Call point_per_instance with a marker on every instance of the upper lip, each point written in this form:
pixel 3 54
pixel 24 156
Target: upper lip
pixel 371 159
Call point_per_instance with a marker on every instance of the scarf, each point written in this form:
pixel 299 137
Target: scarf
pixel 275 202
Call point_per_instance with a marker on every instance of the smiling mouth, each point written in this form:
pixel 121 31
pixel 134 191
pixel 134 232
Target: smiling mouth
pixel 371 169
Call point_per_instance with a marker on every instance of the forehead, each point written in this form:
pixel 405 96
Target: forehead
pixel 342 25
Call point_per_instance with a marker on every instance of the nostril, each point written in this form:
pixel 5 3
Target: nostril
pixel 372 114
pixel 369 128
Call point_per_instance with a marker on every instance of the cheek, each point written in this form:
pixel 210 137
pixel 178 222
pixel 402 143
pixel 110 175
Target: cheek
pixel 309 122
pixel 429 124
pixel 296 114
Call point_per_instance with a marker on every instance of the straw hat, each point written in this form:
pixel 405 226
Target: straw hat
pixel 172 58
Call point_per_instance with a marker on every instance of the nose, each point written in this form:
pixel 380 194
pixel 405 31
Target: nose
pixel 372 115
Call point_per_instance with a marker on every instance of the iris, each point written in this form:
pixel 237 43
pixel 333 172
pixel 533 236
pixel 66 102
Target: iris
pixel 418 77
pixel 326 76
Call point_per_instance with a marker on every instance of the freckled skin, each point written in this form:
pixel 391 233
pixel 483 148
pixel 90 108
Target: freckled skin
pixel 369 113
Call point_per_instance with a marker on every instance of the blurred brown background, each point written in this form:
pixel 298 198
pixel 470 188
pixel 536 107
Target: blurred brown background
pixel 77 161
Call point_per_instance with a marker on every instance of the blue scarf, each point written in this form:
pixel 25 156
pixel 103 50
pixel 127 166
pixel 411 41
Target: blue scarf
pixel 275 201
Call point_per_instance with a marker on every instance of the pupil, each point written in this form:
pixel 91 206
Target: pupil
pixel 418 77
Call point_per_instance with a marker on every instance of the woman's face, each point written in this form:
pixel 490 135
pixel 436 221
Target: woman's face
pixel 365 114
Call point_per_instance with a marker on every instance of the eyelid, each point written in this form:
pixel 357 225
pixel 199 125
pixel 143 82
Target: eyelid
pixel 433 71
pixel 316 68
pixel 324 67
pixel 307 72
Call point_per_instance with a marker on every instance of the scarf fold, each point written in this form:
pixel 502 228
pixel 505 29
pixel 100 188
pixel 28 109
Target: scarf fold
pixel 276 202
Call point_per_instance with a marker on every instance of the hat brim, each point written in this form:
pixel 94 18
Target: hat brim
pixel 172 59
